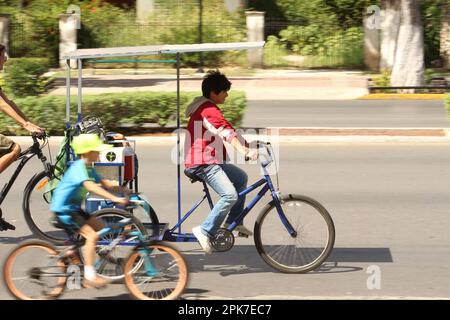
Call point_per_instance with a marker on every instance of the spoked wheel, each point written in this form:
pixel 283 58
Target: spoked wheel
pixel 307 248
pixel 110 263
pixel 36 208
pixel 162 276
pixel 32 271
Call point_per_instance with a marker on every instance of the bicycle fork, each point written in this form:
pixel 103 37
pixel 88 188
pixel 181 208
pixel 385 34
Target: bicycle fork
pixel 277 201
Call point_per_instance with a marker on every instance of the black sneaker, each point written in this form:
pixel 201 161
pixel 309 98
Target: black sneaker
pixel 6 225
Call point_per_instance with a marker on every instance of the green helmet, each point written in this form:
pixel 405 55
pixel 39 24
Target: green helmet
pixel 88 142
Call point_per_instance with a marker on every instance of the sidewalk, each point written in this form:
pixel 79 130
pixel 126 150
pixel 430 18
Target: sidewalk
pixel 262 85
pixel 289 136
pixel 296 100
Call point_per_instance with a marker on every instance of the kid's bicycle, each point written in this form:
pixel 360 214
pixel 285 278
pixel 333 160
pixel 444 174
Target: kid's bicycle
pixel 153 270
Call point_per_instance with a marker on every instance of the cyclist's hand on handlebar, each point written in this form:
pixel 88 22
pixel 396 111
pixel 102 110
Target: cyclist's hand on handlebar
pixel 121 201
pixel 31 127
pixel 252 154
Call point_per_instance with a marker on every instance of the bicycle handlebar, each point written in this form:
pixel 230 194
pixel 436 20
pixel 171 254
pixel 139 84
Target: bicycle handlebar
pixel 40 136
pixel 267 158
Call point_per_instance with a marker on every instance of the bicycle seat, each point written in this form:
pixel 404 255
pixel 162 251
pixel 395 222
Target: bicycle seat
pixel 192 176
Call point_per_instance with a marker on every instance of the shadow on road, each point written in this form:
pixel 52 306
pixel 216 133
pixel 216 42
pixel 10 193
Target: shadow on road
pixel 245 259
pixel 190 293
pixel 15 240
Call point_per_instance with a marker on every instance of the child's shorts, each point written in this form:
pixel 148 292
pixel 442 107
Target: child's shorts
pixel 78 219
pixel 6 145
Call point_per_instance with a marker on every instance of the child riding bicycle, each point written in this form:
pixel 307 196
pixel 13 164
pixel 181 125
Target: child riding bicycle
pixel 206 157
pixel 80 178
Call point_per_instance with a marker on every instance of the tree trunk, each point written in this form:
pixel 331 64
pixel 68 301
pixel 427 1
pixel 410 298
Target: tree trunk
pixel 409 65
pixel 390 24
pixel 445 35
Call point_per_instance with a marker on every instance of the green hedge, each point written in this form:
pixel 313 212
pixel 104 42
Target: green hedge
pixel 116 110
pixel 23 76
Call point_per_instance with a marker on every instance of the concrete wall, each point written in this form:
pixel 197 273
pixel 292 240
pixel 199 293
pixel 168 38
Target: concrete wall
pixel 4 31
pixel 371 46
pixel 67 37
pixel 255 32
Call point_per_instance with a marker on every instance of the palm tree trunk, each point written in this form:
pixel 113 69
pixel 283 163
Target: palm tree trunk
pixel 409 65
pixel 390 25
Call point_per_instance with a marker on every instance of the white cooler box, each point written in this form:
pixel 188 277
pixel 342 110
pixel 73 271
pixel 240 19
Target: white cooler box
pixel 117 164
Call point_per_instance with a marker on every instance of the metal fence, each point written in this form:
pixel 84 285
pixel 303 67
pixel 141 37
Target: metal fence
pixel 134 34
pixel 18 44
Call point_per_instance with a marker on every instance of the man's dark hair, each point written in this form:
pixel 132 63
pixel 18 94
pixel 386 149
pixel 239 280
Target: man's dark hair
pixel 2 48
pixel 216 82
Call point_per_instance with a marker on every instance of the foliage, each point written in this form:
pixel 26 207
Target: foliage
pixel 333 48
pixel 274 53
pixel 23 76
pixel 35 29
pixel 116 110
pixel 339 13
pixel 384 79
pixel 431 16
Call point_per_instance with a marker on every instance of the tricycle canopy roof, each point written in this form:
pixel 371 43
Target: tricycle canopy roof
pixel 147 50
pixel 159 49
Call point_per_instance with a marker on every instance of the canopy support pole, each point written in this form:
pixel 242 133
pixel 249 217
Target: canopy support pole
pixel 178 141
pixel 67 93
pixel 80 67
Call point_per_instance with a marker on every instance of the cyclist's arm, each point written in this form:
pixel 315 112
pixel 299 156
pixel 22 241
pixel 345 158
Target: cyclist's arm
pixel 110 185
pixel 214 122
pixel 11 109
pixel 93 187
pixel 238 146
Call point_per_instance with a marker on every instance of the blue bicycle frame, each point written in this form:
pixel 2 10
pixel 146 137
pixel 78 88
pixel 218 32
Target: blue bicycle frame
pixel 266 182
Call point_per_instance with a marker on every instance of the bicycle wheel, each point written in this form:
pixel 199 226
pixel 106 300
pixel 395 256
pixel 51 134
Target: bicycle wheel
pixel 32 271
pixel 300 253
pixel 36 208
pixel 162 276
pixel 110 263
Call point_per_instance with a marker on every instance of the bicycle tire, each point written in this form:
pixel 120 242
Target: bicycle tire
pixel 38 215
pixel 314 217
pixel 179 275
pixel 9 276
pixel 115 274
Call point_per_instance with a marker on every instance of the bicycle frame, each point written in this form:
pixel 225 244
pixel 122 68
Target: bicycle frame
pixel 24 157
pixel 267 184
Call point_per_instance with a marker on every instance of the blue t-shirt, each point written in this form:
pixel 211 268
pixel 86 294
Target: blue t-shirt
pixel 70 193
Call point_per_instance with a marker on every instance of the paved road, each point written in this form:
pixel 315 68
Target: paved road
pixel 390 204
pixel 348 113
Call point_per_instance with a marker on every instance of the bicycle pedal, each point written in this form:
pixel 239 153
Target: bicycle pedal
pixel 242 235
pixel 4 225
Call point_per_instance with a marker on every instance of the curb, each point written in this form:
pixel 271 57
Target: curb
pixel 397 132
pixel 399 96
pixel 294 135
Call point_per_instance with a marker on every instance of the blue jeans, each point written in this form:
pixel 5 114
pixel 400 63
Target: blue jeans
pixel 227 181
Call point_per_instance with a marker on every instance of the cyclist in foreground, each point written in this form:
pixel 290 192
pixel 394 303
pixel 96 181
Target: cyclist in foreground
pixel 9 150
pixel 80 178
